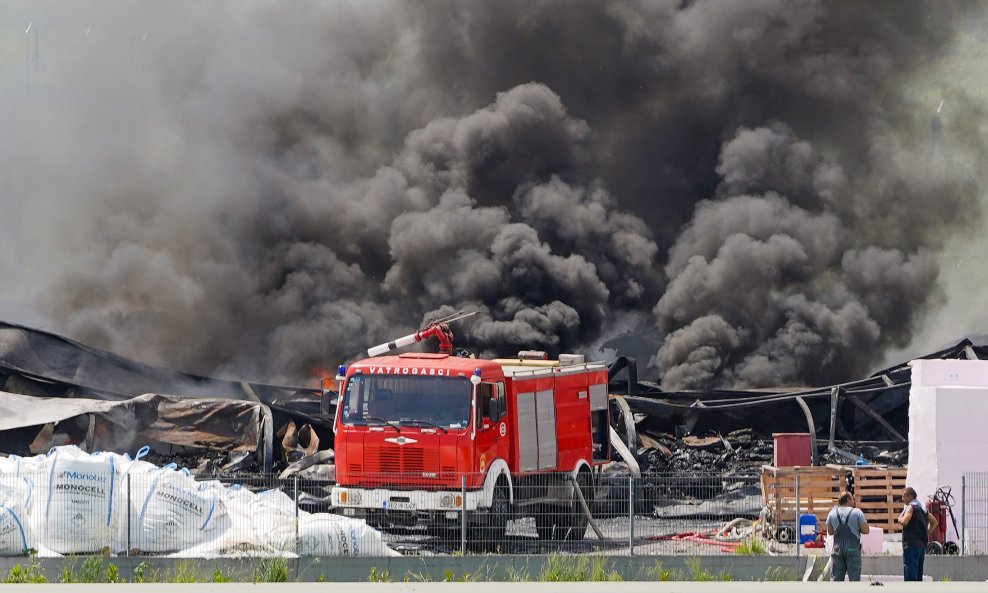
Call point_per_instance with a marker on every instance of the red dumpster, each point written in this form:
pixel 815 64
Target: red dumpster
pixel 792 448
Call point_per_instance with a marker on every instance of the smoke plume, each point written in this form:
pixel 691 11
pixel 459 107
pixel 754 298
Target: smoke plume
pixel 265 189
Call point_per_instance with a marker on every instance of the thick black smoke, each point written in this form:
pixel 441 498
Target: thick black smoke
pixel 266 188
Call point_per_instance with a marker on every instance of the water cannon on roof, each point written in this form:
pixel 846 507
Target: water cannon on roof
pixel 437 328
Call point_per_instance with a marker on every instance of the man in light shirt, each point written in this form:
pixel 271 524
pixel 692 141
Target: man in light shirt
pixel 846 524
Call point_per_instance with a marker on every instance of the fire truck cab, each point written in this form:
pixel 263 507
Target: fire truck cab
pixel 422 436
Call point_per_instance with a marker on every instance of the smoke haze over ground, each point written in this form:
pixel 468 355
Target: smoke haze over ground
pixel 263 189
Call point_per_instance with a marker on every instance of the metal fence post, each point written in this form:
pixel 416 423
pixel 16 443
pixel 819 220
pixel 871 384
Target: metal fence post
pixel 798 528
pixel 295 492
pixel 463 514
pixel 128 514
pixel 963 513
pixel 631 515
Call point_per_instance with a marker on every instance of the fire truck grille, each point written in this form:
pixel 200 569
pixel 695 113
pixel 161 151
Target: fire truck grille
pixel 402 460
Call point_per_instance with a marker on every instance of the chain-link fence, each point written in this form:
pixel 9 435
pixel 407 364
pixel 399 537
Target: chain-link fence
pixel 164 511
pixel 169 512
pixel 973 519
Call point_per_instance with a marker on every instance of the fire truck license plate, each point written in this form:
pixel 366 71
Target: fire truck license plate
pixel 397 505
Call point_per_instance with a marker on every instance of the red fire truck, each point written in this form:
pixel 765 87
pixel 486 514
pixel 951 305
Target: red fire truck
pixel 416 431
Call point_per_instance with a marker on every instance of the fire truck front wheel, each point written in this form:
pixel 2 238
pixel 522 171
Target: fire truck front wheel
pixel 489 534
pixel 498 513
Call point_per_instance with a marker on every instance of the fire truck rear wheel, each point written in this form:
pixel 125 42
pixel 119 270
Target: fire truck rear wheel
pixel 545 522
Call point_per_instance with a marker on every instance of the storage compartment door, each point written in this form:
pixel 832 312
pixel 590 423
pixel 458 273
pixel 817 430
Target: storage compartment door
pixel 528 444
pixel 545 404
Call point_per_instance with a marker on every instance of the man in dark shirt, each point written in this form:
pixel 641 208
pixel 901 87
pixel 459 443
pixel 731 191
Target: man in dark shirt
pixel 917 524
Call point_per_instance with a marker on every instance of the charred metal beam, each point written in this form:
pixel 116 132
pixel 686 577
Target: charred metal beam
pixel 834 396
pixel 628 417
pixel 834 401
pixel 629 364
pixel 812 427
pixel 249 392
pixel 886 427
pixel 842 430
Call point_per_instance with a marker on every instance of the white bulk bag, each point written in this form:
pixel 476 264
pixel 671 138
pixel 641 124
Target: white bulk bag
pixel 22 467
pixel 15 528
pixel 273 514
pixel 170 511
pixel 324 534
pixel 240 538
pixel 74 502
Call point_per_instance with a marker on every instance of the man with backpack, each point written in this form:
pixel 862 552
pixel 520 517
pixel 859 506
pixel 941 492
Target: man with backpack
pixel 846 524
pixel 916 527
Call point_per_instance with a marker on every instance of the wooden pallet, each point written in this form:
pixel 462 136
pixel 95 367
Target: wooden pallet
pixel 819 488
pixel 876 493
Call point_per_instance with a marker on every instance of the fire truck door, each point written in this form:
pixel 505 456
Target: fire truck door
pixel 491 424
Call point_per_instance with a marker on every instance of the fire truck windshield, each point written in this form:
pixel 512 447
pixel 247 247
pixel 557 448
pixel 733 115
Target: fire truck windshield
pixel 443 402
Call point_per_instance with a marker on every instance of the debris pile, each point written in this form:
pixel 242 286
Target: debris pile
pixel 740 452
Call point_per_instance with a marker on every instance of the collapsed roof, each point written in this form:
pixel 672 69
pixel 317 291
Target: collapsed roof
pixel 873 409
pixel 120 404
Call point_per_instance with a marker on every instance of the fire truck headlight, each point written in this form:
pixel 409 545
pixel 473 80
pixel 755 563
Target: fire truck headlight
pixel 446 500
pixel 354 498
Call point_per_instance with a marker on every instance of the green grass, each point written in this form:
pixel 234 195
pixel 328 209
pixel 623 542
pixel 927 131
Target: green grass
pixel 94 569
pixel 660 573
pixel 515 575
pixel 780 573
pixel 696 572
pixel 29 573
pixel 274 570
pixel 185 571
pixel 559 568
pixel 145 573
pixel 751 547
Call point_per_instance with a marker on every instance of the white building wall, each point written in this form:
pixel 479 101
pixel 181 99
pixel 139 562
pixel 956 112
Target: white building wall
pixel 948 430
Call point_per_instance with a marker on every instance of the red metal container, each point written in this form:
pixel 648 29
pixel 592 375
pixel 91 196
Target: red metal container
pixel 792 448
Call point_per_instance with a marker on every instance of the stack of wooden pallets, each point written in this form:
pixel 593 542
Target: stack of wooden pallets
pixel 819 488
pixel 876 493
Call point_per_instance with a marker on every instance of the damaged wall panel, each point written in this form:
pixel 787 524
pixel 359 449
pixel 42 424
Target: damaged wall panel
pixel 185 423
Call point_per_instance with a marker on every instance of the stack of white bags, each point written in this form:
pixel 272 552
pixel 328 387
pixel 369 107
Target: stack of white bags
pixel 73 502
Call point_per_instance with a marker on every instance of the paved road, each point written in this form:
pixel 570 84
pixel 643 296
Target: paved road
pixel 625 587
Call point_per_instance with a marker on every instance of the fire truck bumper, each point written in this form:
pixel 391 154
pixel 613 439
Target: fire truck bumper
pixel 406 505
